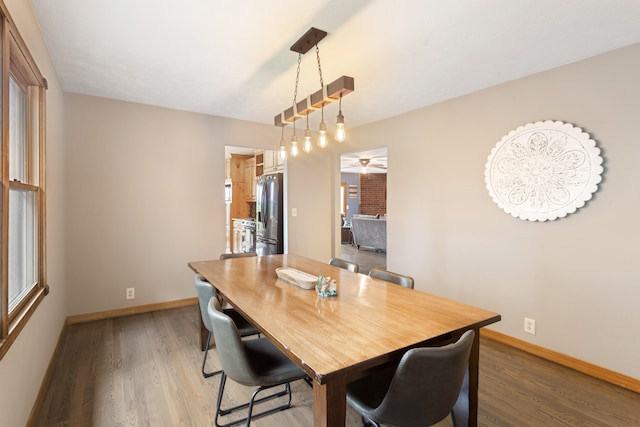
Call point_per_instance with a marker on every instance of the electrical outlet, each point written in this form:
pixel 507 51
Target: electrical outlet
pixel 529 326
pixel 131 293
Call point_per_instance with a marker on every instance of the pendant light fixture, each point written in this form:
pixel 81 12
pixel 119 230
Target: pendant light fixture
pixel 322 133
pixel 294 142
pixel 283 146
pixel 340 133
pixel 294 137
pixel 307 138
pixel 332 92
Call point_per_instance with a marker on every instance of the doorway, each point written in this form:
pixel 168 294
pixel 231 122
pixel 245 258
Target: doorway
pixel 363 196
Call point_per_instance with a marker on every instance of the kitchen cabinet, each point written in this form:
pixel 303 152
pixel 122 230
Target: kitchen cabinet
pixel 236 168
pixel 259 163
pixel 279 161
pixel 269 166
pixel 250 178
pixel 272 162
pixel 238 208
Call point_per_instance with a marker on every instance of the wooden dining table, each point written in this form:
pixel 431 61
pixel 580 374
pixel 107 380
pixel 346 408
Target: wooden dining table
pixel 335 340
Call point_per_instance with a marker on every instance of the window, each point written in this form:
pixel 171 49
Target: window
pixel 22 197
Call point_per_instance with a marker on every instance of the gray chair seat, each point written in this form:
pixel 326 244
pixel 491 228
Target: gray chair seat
pixel 255 363
pixel 206 291
pixel 270 365
pixel 421 391
pixel 366 394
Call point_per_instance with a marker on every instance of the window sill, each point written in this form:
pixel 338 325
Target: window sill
pixel 22 317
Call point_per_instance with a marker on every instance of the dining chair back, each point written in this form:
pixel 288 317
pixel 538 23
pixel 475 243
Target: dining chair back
pixel 348 265
pixel 400 279
pixel 255 363
pixel 238 255
pixel 421 391
pixel 205 293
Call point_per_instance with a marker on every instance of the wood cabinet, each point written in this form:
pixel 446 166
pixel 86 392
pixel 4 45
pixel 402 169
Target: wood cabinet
pixel 236 167
pixel 279 161
pixel 259 163
pixel 250 178
pixel 239 207
pixel 273 162
pixel 269 166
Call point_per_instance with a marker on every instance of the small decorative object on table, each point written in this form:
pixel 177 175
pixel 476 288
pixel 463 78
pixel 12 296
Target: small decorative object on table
pixel 296 277
pixel 326 287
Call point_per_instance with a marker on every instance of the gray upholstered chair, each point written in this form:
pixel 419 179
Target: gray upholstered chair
pixel 205 292
pixel 348 265
pixel 254 363
pixel 400 279
pixel 421 391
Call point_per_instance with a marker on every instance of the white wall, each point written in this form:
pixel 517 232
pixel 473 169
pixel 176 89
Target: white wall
pixel 145 195
pixel 311 182
pixel 577 276
pixel 24 365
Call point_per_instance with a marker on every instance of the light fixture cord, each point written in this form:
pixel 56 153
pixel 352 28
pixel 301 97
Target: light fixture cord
pixel 319 66
pixel 295 92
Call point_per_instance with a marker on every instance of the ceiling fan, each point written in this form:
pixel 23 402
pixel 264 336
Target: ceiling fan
pixel 372 163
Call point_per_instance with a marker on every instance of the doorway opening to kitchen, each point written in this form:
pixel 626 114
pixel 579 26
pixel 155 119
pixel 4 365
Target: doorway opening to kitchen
pixel 250 174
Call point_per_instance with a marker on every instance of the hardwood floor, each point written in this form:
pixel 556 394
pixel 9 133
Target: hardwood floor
pixel 144 370
pixel 365 258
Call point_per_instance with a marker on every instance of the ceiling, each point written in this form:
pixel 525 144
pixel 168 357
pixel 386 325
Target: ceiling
pixel 232 58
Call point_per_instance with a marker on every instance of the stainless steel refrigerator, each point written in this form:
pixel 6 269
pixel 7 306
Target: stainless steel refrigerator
pixel 269 215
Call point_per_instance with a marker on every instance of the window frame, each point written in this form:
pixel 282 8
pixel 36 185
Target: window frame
pixel 17 62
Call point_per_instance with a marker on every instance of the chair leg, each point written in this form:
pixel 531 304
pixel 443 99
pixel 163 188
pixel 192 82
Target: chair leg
pixel 366 422
pixel 250 404
pixel 204 360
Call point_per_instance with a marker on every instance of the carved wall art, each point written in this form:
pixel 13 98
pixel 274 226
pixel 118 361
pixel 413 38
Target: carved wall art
pixel 543 171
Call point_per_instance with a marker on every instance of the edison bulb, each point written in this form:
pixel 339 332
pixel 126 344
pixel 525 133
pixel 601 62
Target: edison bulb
pixel 340 133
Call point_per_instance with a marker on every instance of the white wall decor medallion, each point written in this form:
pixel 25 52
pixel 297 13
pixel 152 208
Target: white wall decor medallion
pixel 543 171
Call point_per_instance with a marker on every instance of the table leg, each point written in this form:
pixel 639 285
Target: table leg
pixel 329 404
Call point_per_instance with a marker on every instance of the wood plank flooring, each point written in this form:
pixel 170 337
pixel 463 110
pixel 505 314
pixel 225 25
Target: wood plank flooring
pixel 365 258
pixel 144 370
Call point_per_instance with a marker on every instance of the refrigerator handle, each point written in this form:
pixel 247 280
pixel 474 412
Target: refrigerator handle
pixel 260 214
pixel 266 204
